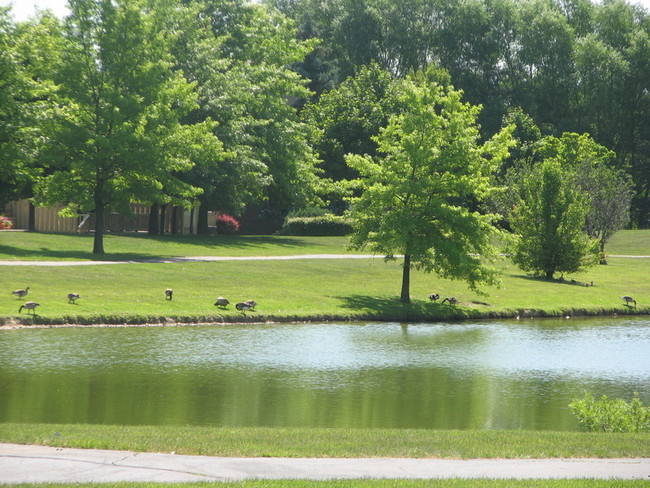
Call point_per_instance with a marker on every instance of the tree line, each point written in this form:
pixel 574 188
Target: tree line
pixel 425 120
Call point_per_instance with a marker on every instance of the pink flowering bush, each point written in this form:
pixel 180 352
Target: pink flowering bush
pixel 226 224
pixel 5 222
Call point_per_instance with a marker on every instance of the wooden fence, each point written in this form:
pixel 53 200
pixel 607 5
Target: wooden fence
pixel 47 219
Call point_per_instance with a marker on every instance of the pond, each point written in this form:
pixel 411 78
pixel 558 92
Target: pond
pixel 481 375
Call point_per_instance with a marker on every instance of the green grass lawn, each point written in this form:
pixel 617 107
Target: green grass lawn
pixel 358 289
pixel 40 247
pixel 334 443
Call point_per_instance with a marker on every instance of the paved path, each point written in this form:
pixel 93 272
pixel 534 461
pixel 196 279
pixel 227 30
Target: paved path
pixel 190 259
pixel 196 259
pixel 38 464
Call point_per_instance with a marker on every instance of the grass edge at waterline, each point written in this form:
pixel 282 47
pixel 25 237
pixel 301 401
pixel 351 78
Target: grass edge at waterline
pixel 456 314
pixel 331 442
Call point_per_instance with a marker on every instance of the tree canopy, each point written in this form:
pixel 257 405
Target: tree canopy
pixel 430 164
pixel 117 135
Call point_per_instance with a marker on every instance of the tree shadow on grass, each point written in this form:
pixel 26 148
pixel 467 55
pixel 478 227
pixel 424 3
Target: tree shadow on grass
pixel 383 308
pixel 222 243
pixel 557 281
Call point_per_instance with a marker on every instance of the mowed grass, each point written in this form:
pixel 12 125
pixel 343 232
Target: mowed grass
pixel 332 443
pixel 28 246
pixel 310 289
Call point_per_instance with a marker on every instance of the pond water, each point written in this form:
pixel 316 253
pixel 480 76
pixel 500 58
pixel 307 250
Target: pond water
pixel 483 375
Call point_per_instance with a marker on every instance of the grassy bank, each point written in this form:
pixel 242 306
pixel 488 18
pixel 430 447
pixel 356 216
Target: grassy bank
pixel 336 443
pixel 28 246
pixel 305 289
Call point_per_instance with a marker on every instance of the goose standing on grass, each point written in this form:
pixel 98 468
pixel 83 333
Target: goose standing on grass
pixel 73 297
pixel 433 297
pixel 628 299
pixel 169 293
pixel 21 293
pixel 451 300
pixel 29 306
pixel 222 302
pixel 243 307
pixel 252 304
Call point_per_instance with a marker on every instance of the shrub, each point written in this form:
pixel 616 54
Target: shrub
pixel 307 212
pixel 615 415
pixel 226 224
pixel 326 225
pixel 5 222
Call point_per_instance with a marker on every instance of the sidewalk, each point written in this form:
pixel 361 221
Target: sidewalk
pixel 189 259
pixel 38 464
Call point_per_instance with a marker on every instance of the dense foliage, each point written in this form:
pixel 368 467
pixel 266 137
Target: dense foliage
pixel 550 219
pixel 231 104
pixel 611 415
pixel 430 164
pixel 325 225
pixel 571 65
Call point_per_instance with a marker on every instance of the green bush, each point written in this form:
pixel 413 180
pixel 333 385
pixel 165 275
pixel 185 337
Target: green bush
pixel 307 212
pixel 326 225
pixel 615 415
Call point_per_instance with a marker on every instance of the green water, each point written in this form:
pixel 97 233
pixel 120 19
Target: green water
pixel 485 375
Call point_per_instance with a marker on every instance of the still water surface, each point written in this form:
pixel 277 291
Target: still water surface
pixel 486 375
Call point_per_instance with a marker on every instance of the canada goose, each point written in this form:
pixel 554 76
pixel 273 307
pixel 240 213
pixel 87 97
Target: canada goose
pixel 73 297
pixel 243 306
pixel 169 293
pixel 29 306
pixel 451 300
pixel 252 303
pixel 222 302
pixel 628 300
pixel 21 293
pixel 433 297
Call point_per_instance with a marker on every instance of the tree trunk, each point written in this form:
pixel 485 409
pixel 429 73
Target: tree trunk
pixel 405 296
pixel 163 214
pixel 202 225
pixel 31 218
pixel 153 228
pixel 549 274
pixel 98 242
pixel 176 212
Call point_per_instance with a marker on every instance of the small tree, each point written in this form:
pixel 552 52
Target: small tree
pixel 550 222
pixel 414 193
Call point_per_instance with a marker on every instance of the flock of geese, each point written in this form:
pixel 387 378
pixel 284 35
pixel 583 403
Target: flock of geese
pixel 221 302
pixel 243 307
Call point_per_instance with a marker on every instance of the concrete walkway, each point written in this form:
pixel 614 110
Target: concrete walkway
pixel 38 464
pixel 190 259
pixel 199 259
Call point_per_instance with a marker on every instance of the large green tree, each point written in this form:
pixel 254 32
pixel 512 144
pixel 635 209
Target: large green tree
pixel 348 117
pixel 241 55
pixel 118 136
pixel 550 223
pixel 606 189
pixel 430 165
pixel 13 88
pixel 29 53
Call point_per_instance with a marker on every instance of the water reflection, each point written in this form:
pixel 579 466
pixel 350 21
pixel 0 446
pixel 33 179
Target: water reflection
pixel 471 375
